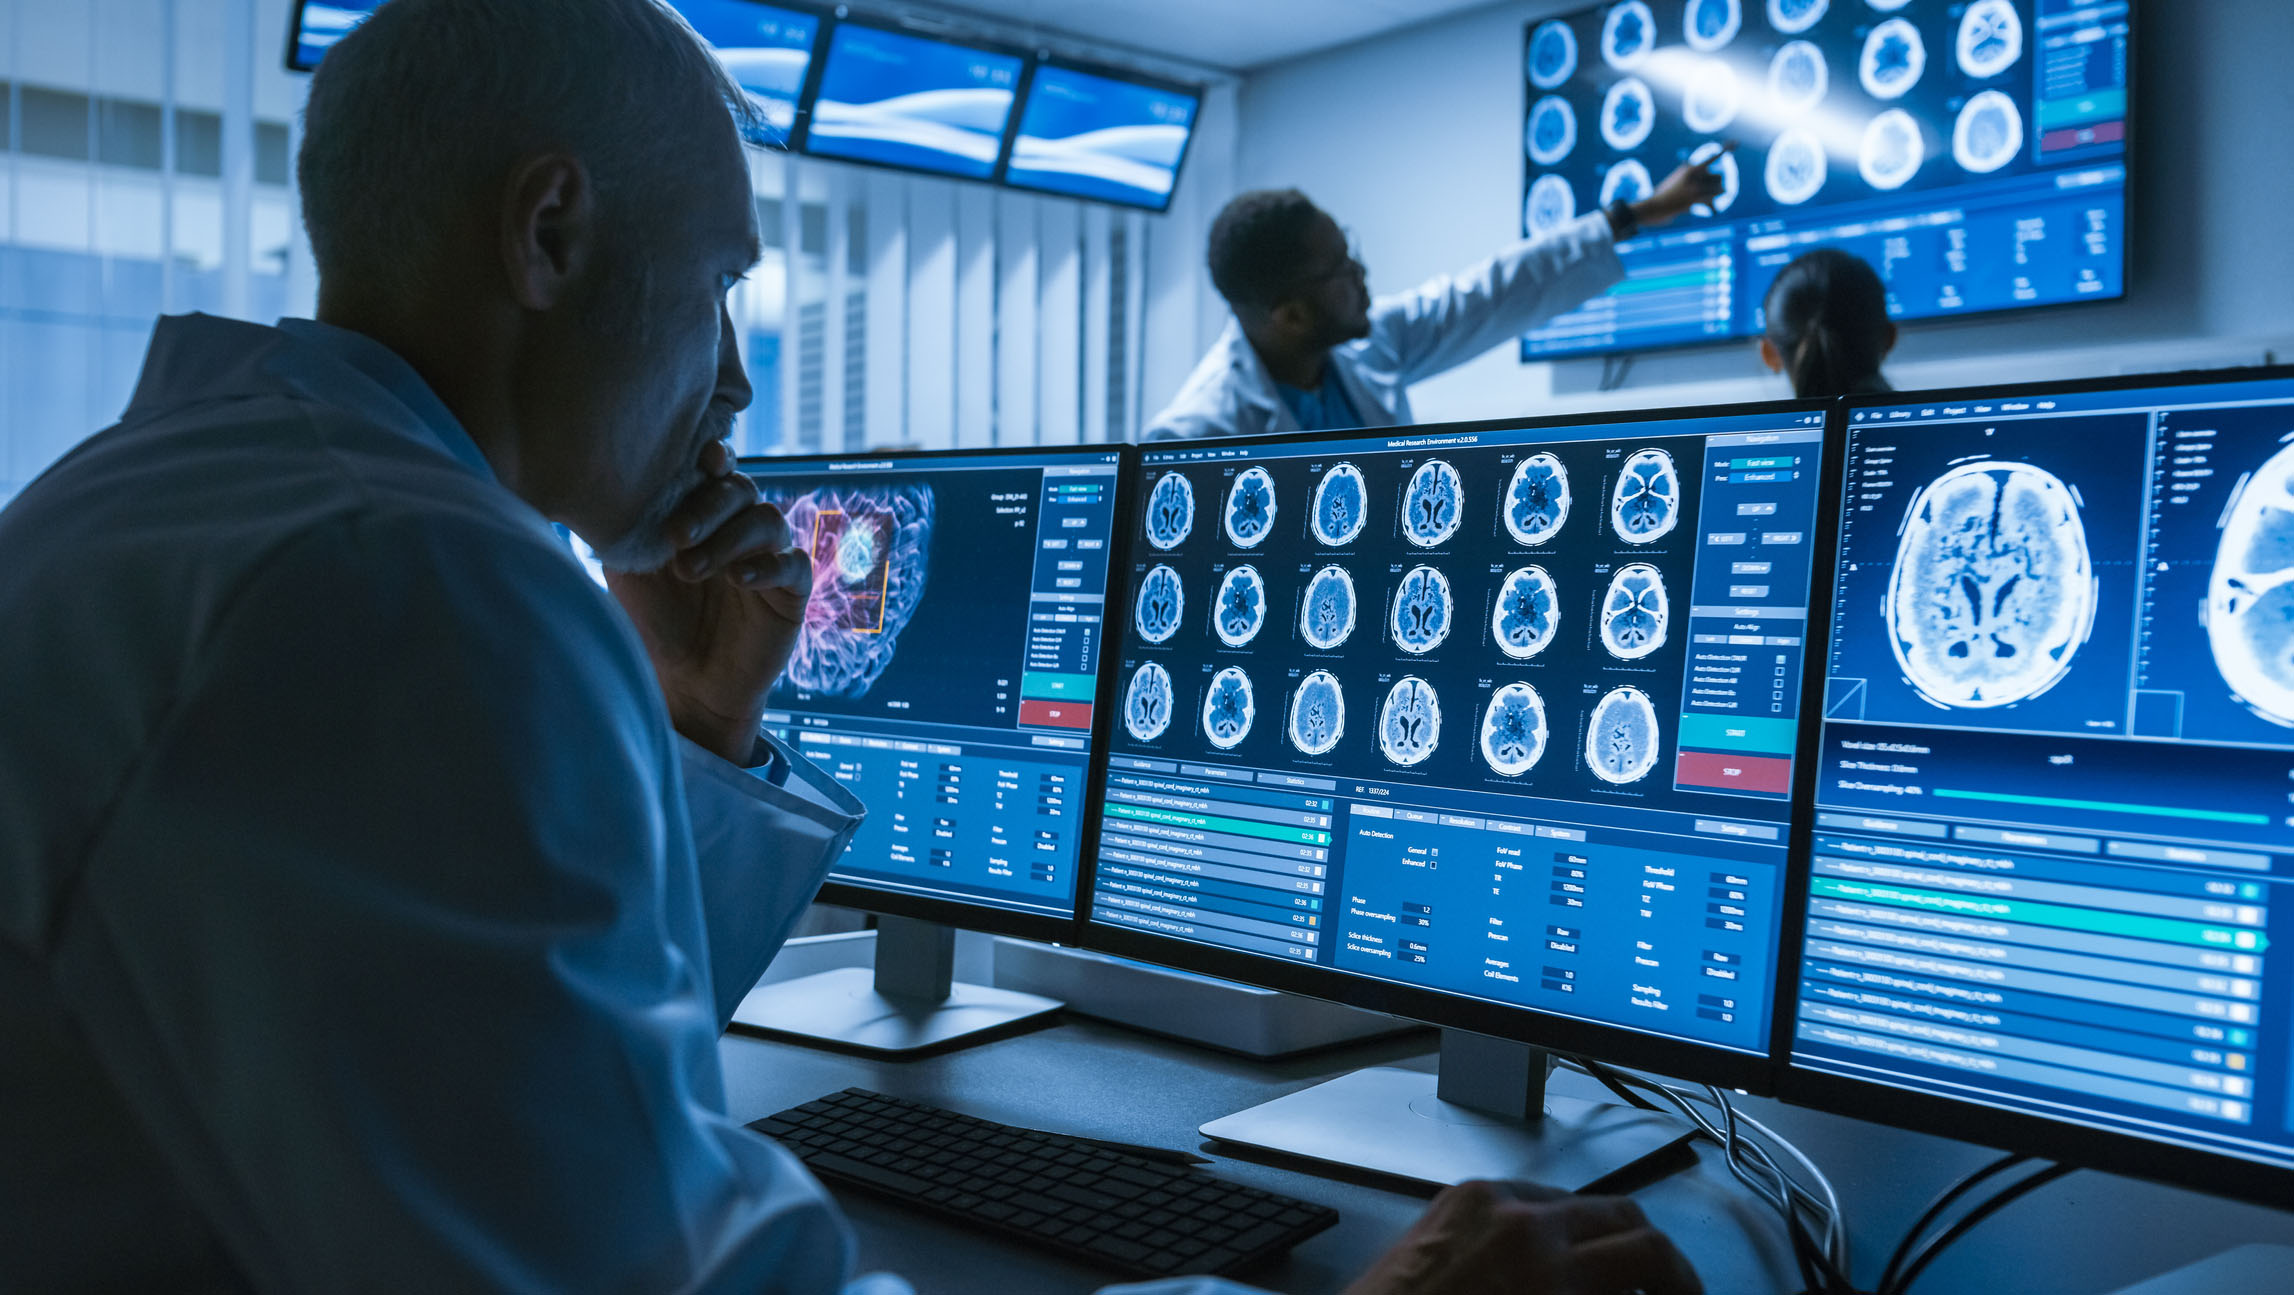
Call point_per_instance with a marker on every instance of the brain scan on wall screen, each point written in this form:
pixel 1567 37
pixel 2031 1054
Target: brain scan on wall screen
pixel 1798 77
pixel 1990 38
pixel 1647 502
pixel 1422 611
pixel 1339 504
pixel 1797 167
pixel 1634 613
pixel 1627 181
pixel 1713 97
pixel 1162 600
pixel 1537 500
pixel 1513 730
pixel 1551 204
pixel 1170 511
pixel 1410 721
pixel 1710 24
pixel 1628 114
pixel 1993 593
pixel 1795 16
pixel 1228 709
pixel 1147 702
pixel 1894 58
pixel 1552 55
pixel 1241 612
pixel 1551 134
pixel 1528 612
pixel 1326 614
pixel 1893 150
pixel 1432 504
pixel 1988 134
pixel 1621 738
pixel 1628 35
pixel 1317 714
pixel 1729 177
pixel 1250 508
pixel 2250 594
pixel 1887 6
pixel 870 548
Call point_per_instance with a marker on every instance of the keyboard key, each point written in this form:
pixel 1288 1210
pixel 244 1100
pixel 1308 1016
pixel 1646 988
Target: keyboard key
pixel 1117 1248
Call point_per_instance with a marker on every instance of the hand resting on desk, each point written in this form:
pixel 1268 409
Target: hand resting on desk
pixel 1522 1239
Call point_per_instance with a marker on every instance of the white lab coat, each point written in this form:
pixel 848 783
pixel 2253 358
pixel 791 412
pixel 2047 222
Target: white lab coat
pixel 1413 336
pixel 363 923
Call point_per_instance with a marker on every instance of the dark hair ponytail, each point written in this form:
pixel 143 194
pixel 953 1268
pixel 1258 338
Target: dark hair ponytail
pixel 1828 317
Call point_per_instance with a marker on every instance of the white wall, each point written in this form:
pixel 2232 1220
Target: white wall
pixel 1413 141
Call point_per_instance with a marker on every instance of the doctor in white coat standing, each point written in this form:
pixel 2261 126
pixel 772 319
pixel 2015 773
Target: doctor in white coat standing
pixel 1308 348
pixel 373 886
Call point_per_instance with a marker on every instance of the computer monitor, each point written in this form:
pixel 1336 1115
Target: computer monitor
pixel 2051 863
pixel 1097 133
pixel 318 26
pixel 920 103
pixel 768 49
pixel 1489 725
pixel 1975 153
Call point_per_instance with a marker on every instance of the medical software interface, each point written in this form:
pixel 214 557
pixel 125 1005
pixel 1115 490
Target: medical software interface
pixel 1093 136
pixel 911 101
pixel 767 49
pixel 1506 714
pixel 1974 151
pixel 2054 835
pixel 947 669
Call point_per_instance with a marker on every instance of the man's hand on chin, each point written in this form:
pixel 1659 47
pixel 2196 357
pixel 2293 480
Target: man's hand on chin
pixel 722 618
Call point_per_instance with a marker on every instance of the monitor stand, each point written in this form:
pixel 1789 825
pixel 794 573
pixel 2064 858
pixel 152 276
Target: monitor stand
pixel 2247 1270
pixel 910 1003
pixel 1484 1114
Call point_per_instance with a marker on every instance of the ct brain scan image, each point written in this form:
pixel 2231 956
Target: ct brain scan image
pixel 1628 36
pixel 1528 612
pixel 1241 612
pixel 1161 602
pixel 1551 204
pixel 1729 177
pixel 1798 77
pixel 1887 6
pixel 1317 714
pixel 1990 38
pixel 1713 97
pixel 2250 594
pixel 1710 24
pixel 1627 181
pixel 1410 721
pixel 1993 592
pixel 1647 503
pixel 1147 702
pixel 1797 167
pixel 1422 611
pixel 1326 614
pixel 1537 500
pixel 1628 114
pixel 1621 739
pixel 1634 612
pixel 1552 55
pixel 1513 730
pixel 1341 498
pixel 1250 508
pixel 1893 150
pixel 1432 504
pixel 1894 59
pixel 870 550
pixel 1988 134
pixel 1170 511
pixel 1793 17
pixel 1552 131
pixel 1228 709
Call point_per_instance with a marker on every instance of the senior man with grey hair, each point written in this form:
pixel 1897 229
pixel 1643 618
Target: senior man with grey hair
pixel 373 888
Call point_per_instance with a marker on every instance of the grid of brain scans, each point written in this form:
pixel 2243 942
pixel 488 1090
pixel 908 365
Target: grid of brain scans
pixel 1972 150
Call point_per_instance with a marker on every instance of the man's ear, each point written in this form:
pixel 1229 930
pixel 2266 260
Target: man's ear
pixel 1293 317
pixel 1893 334
pixel 1769 356
pixel 548 229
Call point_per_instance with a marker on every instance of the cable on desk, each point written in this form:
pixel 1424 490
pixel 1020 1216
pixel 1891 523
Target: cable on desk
pixel 1999 1200
pixel 1935 1209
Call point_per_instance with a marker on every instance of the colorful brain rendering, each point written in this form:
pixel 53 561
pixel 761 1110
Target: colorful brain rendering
pixel 1410 721
pixel 1147 702
pixel 1527 613
pixel 1634 613
pixel 1162 601
pixel 1241 612
pixel 1621 738
pixel 1170 511
pixel 1422 611
pixel 1326 614
pixel 1250 508
pixel 1228 709
pixel 1647 502
pixel 1432 504
pixel 1513 730
pixel 2250 596
pixel 1338 506
pixel 1537 500
pixel 1317 714
pixel 870 550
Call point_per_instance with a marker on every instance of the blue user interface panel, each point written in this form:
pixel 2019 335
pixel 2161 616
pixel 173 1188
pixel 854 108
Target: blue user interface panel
pixel 1505 714
pixel 913 102
pixel 1974 151
pixel 948 666
pixel 1093 136
pixel 2054 843
pixel 767 49
pixel 319 26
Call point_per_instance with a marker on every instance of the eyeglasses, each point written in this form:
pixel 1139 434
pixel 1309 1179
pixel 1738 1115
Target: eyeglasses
pixel 1352 265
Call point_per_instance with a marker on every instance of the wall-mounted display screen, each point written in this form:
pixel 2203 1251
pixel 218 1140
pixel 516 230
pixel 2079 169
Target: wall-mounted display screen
pixel 898 99
pixel 1974 151
pixel 768 49
pixel 1096 135
pixel 318 26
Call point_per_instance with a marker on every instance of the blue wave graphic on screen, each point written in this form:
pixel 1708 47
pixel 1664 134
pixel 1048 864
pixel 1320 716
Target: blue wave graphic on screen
pixel 912 102
pixel 767 51
pixel 323 25
pixel 1094 137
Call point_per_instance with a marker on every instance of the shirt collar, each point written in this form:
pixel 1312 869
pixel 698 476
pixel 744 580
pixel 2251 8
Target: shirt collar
pixel 390 371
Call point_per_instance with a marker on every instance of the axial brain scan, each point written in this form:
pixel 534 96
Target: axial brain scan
pixel 2250 595
pixel 1410 721
pixel 1421 611
pixel 1893 150
pixel 1798 77
pixel 1317 714
pixel 869 549
pixel 1628 36
pixel 1990 38
pixel 1326 615
pixel 1551 204
pixel 1228 709
pixel 1627 181
pixel 1527 614
pixel 1894 59
pixel 1161 602
pixel 1795 16
pixel 1621 739
pixel 1647 504
pixel 1730 179
pixel 1988 134
pixel 1170 511
pixel 1710 24
pixel 1634 612
pixel 1432 504
pixel 1250 508
pixel 1537 500
pixel 1552 131
pixel 1339 502
pixel 1993 593
pixel 1513 730
pixel 1713 97
pixel 1628 114
pixel 1797 167
pixel 1147 702
pixel 1242 607
pixel 1552 55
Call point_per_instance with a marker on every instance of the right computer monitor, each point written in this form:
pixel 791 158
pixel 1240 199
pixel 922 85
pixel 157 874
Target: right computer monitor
pixel 2052 851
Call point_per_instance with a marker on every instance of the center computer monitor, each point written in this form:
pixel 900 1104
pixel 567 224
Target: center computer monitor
pixel 1490 725
pixel 920 103
pixel 2053 840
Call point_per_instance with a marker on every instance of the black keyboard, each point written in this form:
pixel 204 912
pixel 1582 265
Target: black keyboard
pixel 1056 1193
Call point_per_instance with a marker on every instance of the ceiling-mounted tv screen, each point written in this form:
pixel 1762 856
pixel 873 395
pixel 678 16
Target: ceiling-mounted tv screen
pixel 1092 133
pixel 318 26
pixel 767 49
pixel 1974 151
pixel 895 98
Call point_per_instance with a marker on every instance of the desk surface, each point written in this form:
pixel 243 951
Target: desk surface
pixel 2088 1234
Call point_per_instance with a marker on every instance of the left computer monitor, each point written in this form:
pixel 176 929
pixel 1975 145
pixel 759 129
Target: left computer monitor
pixel 919 103
pixel 319 25
pixel 768 50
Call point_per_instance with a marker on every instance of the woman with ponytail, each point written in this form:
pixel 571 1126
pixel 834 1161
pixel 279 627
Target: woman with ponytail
pixel 1828 325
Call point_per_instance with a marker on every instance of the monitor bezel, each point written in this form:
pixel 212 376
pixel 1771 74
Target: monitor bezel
pixel 2093 1146
pixel 976 915
pixel 1044 59
pixel 800 137
pixel 1705 1063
